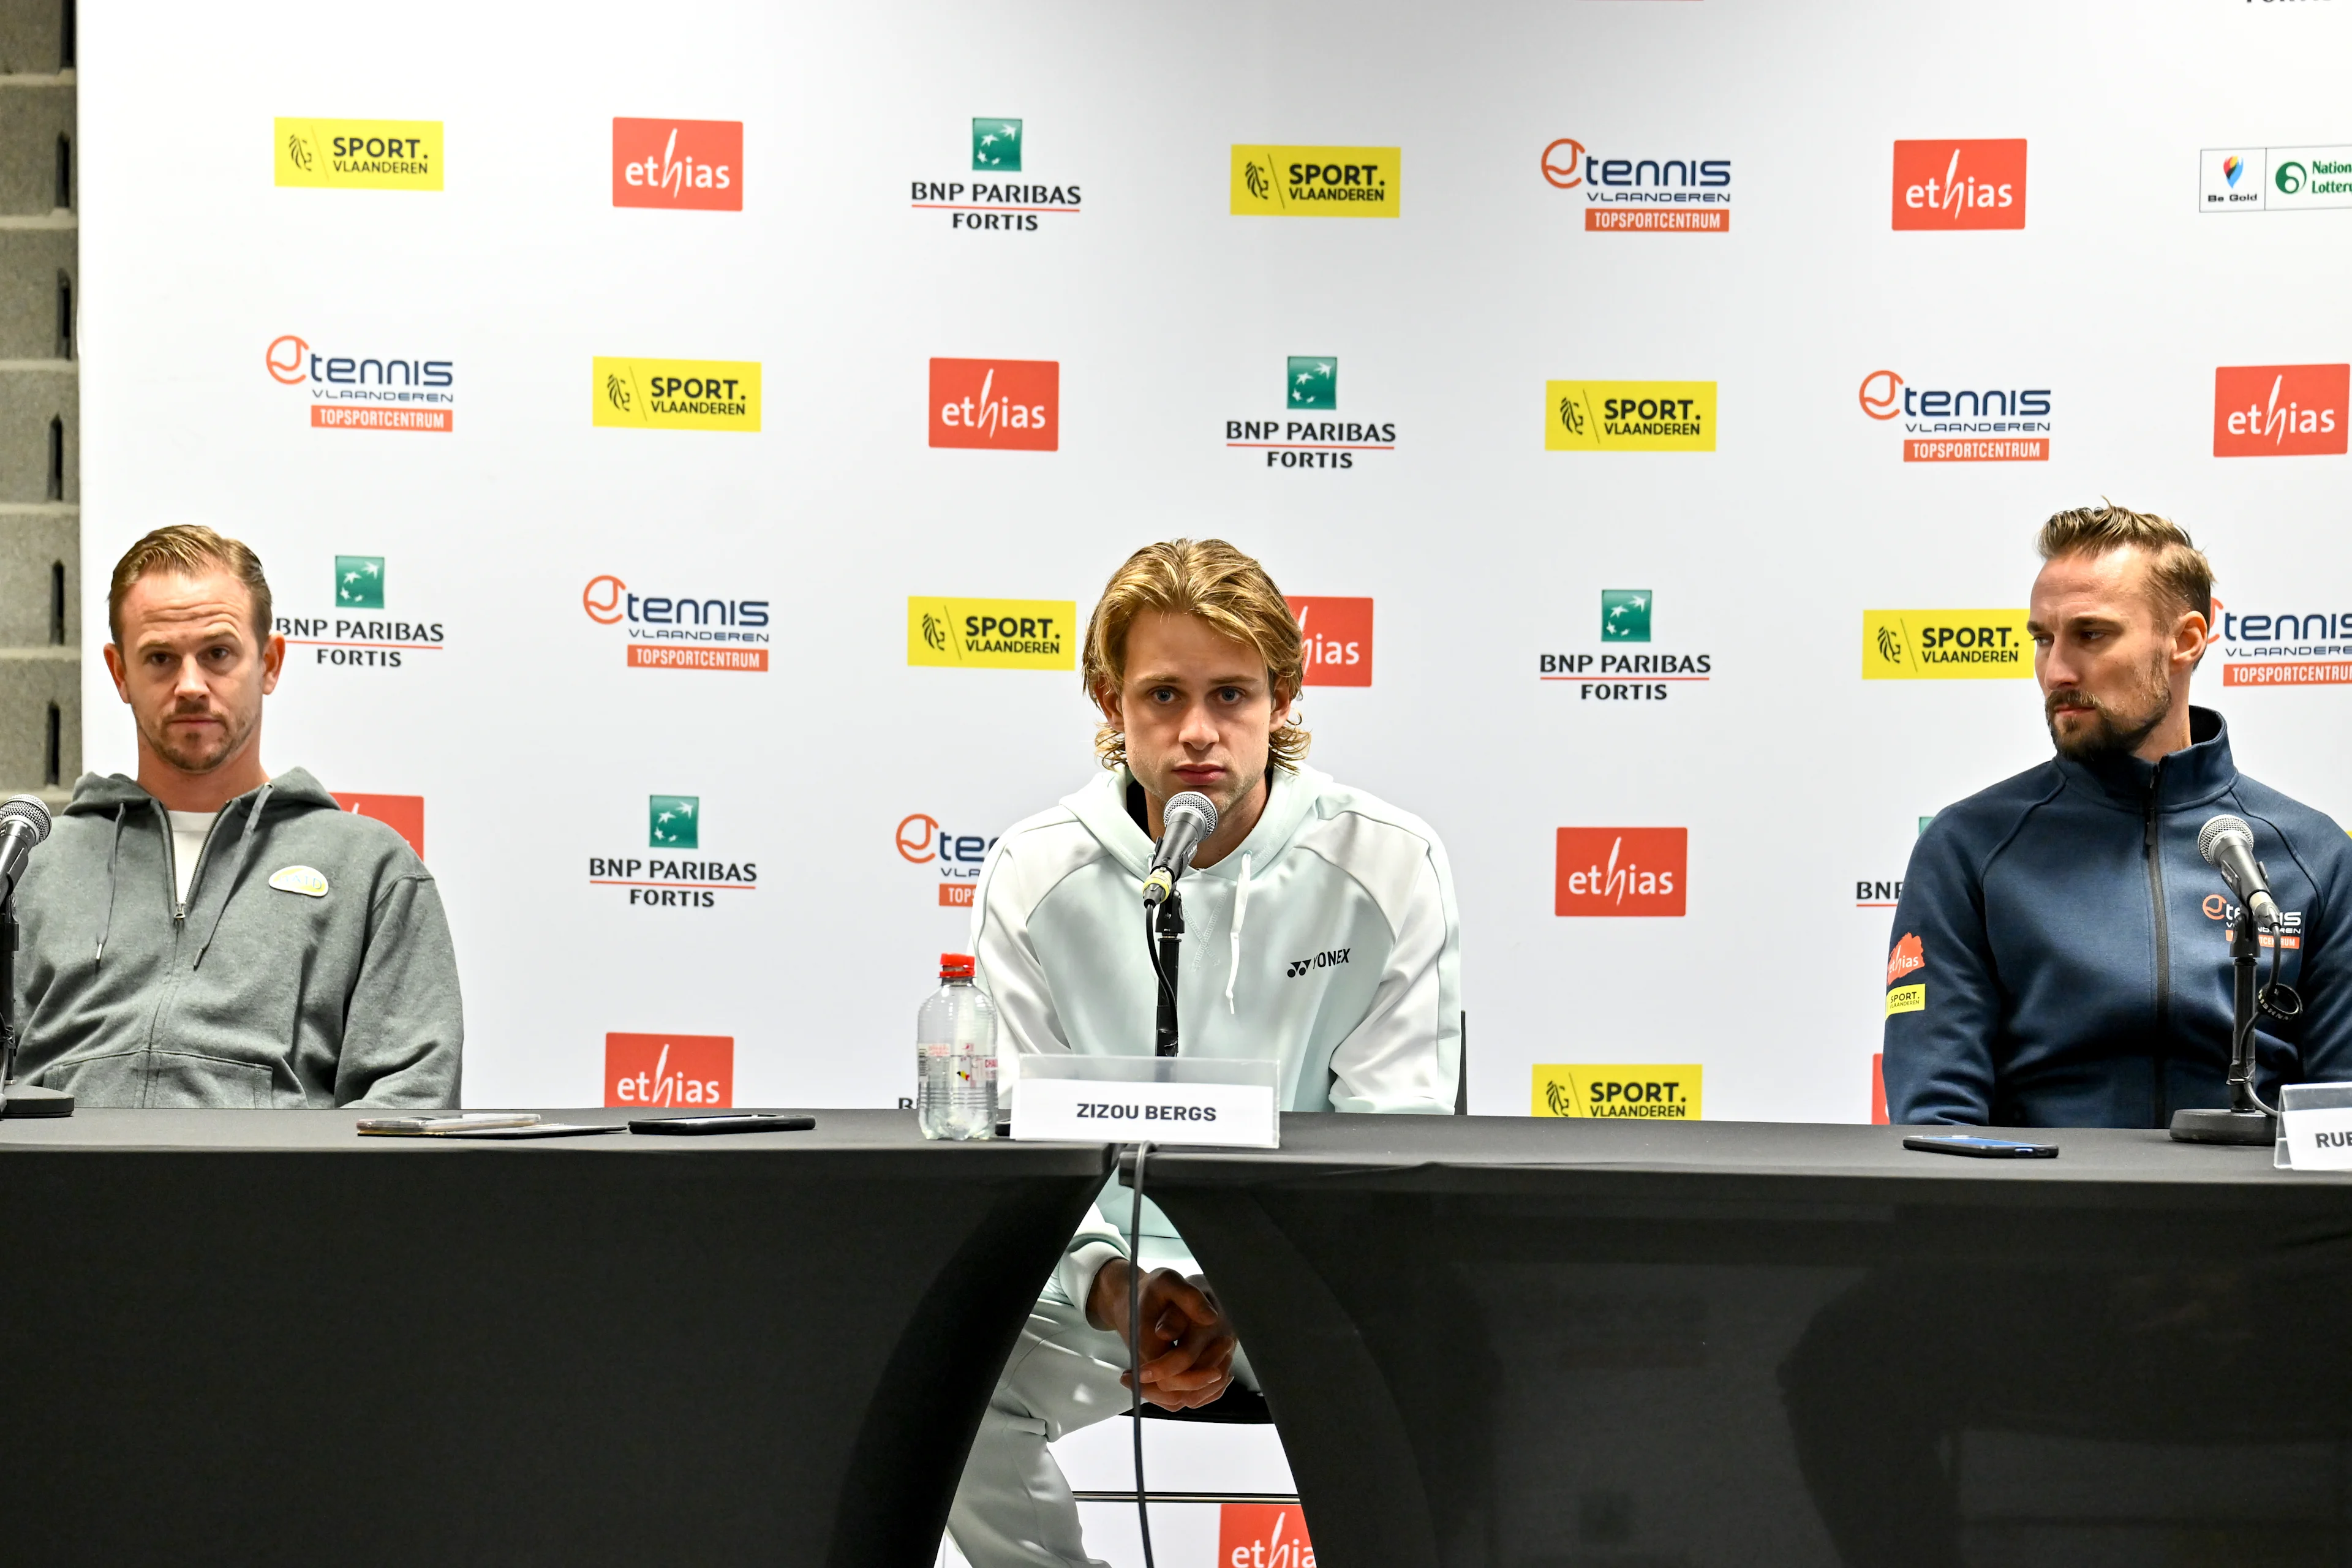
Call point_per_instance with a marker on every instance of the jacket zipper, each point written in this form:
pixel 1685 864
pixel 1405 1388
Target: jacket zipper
pixel 2149 850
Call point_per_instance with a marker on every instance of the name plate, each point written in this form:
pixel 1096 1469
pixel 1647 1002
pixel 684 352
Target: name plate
pixel 2318 1139
pixel 1157 1100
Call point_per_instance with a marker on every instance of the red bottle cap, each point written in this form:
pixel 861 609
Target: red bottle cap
pixel 955 966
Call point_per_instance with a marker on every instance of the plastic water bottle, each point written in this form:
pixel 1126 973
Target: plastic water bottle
pixel 955 1056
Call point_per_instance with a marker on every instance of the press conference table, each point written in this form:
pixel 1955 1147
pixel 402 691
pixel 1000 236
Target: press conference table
pixel 1502 1341
pixel 255 1337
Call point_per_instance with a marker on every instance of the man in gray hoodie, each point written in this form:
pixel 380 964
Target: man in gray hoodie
pixel 209 935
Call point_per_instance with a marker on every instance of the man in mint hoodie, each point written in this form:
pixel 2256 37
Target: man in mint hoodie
pixel 1319 929
pixel 209 935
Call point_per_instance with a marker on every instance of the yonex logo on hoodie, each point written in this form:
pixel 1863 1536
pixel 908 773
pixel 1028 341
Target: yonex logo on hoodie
pixel 1323 960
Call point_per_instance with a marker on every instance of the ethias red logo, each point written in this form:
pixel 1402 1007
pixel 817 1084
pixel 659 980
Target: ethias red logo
pixel 1339 634
pixel 1621 871
pixel 2280 410
pixel 1263 1535
pixel 669 1069
pixel 1015 403
pixel 678 163
pixel 403 813
pixel 1960 184
pixel 1907 956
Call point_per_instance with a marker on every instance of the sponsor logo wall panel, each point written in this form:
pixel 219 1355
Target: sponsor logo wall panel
pixel 754 564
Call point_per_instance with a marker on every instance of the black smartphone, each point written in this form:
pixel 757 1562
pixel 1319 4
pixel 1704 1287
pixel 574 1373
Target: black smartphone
pixel 697 1126
pixel 1981 1148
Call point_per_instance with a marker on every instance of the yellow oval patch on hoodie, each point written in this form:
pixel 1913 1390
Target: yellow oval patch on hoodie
pixel 300 879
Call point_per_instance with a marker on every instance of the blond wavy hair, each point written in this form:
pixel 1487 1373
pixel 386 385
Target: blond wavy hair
pixel 1210 579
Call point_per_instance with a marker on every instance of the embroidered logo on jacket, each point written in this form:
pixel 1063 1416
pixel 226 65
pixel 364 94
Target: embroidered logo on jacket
pixel 300 879
pixel 1906 957
pixel 1299 967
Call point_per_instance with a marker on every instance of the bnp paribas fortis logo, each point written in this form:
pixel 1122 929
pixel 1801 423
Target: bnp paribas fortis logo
pixel 1624 614
pixel 671 821
pixel 1629 417
pixel 1314 381
pixel 1640 1092
pixel 359 582
pixel 360 155
pixel 996 146
pixel 1946 644
pixel 1317 181
pixel 677 394
pixel 348 636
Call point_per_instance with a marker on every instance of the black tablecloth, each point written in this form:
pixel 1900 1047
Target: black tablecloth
pixel 1517 1341
pixel 255 1337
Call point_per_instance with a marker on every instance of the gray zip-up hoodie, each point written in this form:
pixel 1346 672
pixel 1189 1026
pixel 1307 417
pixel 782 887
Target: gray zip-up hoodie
pixel 312 966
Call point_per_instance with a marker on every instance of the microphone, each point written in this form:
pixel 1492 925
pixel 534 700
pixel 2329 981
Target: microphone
pixel 24 822
pixel 2227 846
pixel 1185 821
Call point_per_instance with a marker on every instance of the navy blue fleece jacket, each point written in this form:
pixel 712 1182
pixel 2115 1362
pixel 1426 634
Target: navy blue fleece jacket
pixel 2061 952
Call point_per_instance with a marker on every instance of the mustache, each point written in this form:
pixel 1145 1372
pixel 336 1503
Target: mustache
pixel 2059 703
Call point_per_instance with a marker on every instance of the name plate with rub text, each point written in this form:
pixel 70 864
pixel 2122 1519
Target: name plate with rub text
pixel 1147 1100
pixel 2315 1126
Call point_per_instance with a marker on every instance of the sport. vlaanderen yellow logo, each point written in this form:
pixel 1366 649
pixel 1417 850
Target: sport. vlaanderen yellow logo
pixel 1317 181
pixel 677 394
pixel 360 155
pixel 1644 1092
pixel 993 634
pixel 1946 644
pixel 1629 417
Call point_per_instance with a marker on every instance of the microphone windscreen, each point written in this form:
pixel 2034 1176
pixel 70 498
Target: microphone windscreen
pixel 2216 829
pixel 1194 801
pixel 28 809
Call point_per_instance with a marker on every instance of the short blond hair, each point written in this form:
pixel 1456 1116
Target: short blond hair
pixel 188 550
pixel 1210 579
pixel 2179 575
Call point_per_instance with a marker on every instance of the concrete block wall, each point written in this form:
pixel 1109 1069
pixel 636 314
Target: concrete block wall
pixel 40 402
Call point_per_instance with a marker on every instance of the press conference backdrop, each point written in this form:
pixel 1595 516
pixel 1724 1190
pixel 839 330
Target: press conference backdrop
pixel 686 444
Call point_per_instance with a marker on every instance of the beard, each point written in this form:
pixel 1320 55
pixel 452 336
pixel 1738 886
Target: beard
pixel 2109 729
pixel 190 754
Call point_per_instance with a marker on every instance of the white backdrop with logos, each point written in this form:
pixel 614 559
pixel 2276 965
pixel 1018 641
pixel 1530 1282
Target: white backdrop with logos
pixel 518 516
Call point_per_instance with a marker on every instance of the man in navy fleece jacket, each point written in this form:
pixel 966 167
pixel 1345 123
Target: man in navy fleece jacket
pixel 2060 953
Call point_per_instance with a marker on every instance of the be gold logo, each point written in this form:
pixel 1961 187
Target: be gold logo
pixel 678 393
pixel 1946 644
pixel 360 155
pixel 993 634
pixel 1317 181
pixel 1645 1092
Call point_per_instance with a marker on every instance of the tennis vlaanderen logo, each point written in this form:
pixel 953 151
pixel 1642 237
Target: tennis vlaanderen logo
pixel 679 631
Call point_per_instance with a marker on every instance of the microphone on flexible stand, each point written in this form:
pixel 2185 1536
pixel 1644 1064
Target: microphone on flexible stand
pixel 23 823
pixel 1185 821
pixel 2227 846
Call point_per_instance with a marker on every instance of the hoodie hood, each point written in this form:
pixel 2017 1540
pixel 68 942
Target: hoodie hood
pixel 107 793
pixel 1101 808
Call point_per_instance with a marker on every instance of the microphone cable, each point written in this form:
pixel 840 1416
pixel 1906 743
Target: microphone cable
pixel 1135 1343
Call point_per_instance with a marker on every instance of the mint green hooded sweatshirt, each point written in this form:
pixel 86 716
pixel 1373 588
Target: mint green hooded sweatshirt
pixel 312 966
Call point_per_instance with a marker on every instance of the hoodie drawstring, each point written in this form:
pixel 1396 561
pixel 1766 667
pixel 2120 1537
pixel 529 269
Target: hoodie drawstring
pixel 236 871
pixel 106 927
pixel 1241 908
